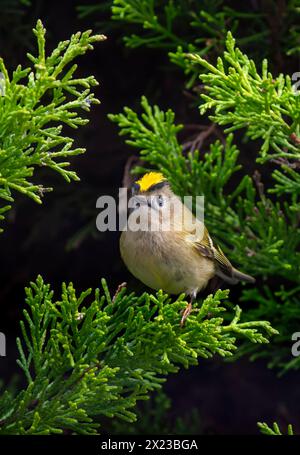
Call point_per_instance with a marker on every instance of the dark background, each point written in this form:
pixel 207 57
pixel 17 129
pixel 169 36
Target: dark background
pixel 59 241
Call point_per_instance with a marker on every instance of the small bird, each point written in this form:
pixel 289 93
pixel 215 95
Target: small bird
pixel 170 252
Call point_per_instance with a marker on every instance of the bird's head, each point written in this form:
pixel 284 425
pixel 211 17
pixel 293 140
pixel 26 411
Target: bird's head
pixel 154 202
pixel 152 190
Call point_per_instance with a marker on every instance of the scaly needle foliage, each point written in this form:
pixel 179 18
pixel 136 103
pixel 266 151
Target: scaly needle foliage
pixel 267 107
pixel 274 430
pixel 35 103
pixel 182 26
pixel 88 356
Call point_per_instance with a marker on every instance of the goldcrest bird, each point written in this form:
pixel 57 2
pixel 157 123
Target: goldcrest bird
pixel 170 252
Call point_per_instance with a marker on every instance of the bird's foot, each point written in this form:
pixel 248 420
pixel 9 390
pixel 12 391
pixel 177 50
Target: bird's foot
pixel 185 314
pixel 119 288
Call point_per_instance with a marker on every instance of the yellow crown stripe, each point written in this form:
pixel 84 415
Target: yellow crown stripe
pixel 152 178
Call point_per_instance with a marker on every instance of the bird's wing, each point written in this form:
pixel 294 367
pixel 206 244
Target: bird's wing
pixel 207 248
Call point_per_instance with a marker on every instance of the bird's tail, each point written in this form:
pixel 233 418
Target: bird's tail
pixel 234 276
pixel 240 276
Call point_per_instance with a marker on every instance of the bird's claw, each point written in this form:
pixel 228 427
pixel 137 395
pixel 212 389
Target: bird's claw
pixel 185 314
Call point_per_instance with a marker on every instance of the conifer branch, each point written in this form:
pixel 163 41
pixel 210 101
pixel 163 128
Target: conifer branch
pixel 35 103
pixel 87 357
pixel 244 98
pixel 274 430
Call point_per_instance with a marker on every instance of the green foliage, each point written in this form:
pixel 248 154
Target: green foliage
pixel 291 42
pixel 267 108
pixel 154 416
pixel 242 98
pixel 275 430
pixel 182 26
pixel 87 357
pixel 281 305
pixel 156 18
pixel 35 104
pixel 85 360
pixel 165 23
pixel 288 181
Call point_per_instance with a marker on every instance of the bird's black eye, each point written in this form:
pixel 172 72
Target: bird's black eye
pixel 160 200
